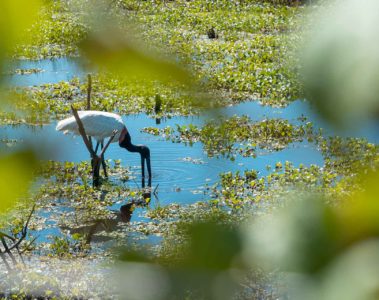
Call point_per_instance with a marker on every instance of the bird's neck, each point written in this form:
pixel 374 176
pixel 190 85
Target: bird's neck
pixel 126 143
pixel 133 148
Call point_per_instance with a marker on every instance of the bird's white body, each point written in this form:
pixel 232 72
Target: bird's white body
pixel 97 124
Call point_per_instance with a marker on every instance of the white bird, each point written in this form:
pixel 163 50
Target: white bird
pixel 100 125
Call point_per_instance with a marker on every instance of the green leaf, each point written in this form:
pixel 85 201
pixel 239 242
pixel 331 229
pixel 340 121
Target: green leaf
pixel 16 173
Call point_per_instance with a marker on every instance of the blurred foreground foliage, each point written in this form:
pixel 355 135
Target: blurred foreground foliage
pixel 340 61
pixel 17 172
pixel 13 23
pixel 17 169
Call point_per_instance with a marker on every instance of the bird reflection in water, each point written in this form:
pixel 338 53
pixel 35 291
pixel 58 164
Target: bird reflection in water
pixel 126 210
pixel 94 232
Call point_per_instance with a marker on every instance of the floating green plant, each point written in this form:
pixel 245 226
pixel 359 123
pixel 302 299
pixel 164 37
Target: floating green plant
pixel 221 137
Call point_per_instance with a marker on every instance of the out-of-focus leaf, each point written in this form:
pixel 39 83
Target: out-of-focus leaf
pixel 16 173
pixel 212 246
pixel 117 52
pixel 15 17
pixel 302 237
pixel 141 281
pixel 360 219
pixel 353 275
pixel 309 234
pixel 341 61
pixel 213 251
pixel 205 264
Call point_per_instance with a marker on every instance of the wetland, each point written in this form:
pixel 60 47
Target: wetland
pixel 228 150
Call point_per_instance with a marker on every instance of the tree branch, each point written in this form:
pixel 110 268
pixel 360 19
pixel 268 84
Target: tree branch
pixel 83 133
pixel 16 243
pixel 114 132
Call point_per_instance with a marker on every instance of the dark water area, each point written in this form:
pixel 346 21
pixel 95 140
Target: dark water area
pixel 182 172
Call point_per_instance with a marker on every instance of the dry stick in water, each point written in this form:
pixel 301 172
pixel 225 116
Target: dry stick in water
pixel 89 90
pixel 23 231
pixel 114 132
pixel 83 133
pixel 7 249
pixel 94 157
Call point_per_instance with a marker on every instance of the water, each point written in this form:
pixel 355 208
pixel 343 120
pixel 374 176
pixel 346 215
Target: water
pixel 53 71
pixel 180 180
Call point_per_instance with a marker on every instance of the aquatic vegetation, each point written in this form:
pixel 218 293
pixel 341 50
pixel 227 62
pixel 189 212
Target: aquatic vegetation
pixel 11 118
pixel 25 71
pixel 245 190
pixel 57 32
pixel 240 50
pixel 48 102
pixel 221 137
pixel 345 161
pixel 9 142
pixel 250 59
pixel 349 156
pixel 63 246
pixel 65 193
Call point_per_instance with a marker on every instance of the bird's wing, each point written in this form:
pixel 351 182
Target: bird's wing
pixel 98 124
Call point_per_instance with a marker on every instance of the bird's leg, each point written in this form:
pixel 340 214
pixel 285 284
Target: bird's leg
pixel 149 182
pixel 148 164
pixel 97 147
pixel 103 161
pixel 96 171
pixel 143 166
pixel 146 192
